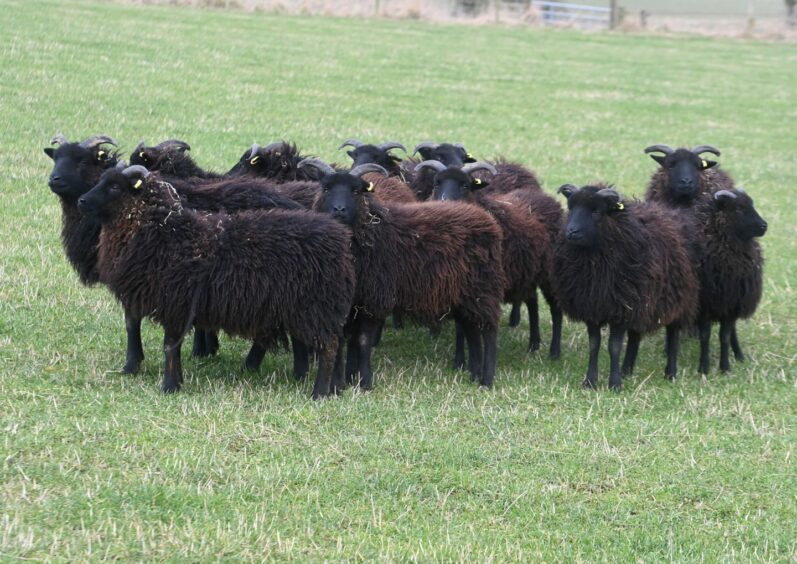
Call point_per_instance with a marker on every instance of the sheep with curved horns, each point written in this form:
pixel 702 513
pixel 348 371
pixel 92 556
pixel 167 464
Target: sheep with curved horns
pixel 171 158
pixel 731 276
pixel 429 261
pixel 685 181
pixel 527 243
pixel 255 274
pixel 510 176
pixel 77 167
pixel 278 161
pixel 625 264
pixel 364 153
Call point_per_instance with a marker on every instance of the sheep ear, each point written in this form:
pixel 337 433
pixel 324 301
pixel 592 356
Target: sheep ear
pixel 50 152
pixel 478 184
pixel 350 153
pixel 426 153
pixel 708 164
pixel 468 157
pixel 567 190
pixel 658 158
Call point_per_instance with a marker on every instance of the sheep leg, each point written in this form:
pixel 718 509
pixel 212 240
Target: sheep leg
pixel 534 323
pixel 475 358
pixel 211 342
pixel 398 320
pixel 705 346
pixel 591 379
pixel 135 351
pixel 616 338
pixel 631 350
pixel 459 347
pixel 352 357
pixel 173 369
pixel 556 330
pixel 671 345
pixel 338 378
pixel 326 365
pixel 490 338
pixel 378 334
pixel 365 340
pixel 735 346
pixel 514 315
pixel 726 328
pixel 254 358
pixel 301 361
pixel 199 349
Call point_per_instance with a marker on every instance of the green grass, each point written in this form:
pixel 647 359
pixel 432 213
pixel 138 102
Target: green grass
pixel 95 464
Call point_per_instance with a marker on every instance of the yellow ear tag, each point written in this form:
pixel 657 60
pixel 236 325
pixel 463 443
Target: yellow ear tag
pixel 100 154
pixel 705 164
pixel 620 206
pixel 138 183
pixel 477 182
pixel 370 187
pixel 141 154
pixel 468 156
pixel 254 159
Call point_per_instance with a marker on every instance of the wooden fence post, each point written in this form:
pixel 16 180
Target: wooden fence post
pixel 613 14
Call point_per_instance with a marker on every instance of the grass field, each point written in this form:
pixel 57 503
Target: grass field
pixel 95 464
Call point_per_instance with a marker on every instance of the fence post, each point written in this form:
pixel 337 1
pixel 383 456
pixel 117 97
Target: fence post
pixel 613 14
pixel 376 8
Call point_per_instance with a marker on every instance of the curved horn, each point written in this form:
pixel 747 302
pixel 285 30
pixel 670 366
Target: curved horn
pixel 272 146
pixel 351 142
pixel 253 151
pixel 666 149
pixel 470 168
pixel 59 140
pixel 97 140
pixel 387 145
pixel 722 194
pixel 140 147
pixel 425 145
pixel 437 166
pixel 359 170
pixel 567 189
pixel 318 164
pixel 700 149
pixel 174 144
pixel 136 169
pixel 609 193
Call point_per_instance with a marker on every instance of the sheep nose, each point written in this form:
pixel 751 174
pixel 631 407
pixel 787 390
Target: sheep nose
pixel 82 202
pixel 574 234
pixel 55 180
pixel 763 225
pixel 686 182
pixel 339 210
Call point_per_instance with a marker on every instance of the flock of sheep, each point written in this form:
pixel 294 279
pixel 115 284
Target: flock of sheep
pixel 285 246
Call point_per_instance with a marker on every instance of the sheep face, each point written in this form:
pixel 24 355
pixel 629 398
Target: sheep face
pixel 74 168
pixel 683 169
pixel 340 196
pixel 104 199
pixel 588 208
pixel 365 154
pixel 446 153
pixel 455 184
pixel 734 208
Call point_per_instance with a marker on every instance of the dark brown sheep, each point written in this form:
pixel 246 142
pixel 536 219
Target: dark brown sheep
pixel 684 177
pixel 170 158
pixel 625 264
pixel 527 243
pixel 277 161
pixel 430 261
pixel 732 270
pixel 255 274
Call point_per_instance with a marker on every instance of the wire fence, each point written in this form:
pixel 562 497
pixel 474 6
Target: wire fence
pixel 770 19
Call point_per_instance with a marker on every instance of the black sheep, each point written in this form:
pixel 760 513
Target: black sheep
pixel 430 261
pixel 170 158
pixel 278 161
pixel 254 274
pixel 364 153
pixel 625 264
pixel 527 243
pixel 732 270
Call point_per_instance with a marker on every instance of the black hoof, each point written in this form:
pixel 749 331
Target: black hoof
pixel 534 346
pixel 131 367
pixel 616 387
pixel 170 388
pixel 627 371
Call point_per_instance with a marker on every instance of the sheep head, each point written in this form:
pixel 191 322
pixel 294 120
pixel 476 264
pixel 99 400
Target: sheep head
pixel 364 153
pixel 587 208
pixel 683 168
pixel 78 165
pixel 342 192
pixel 450 154
pixel 115 185
pixel 456 183
pixel 738 215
